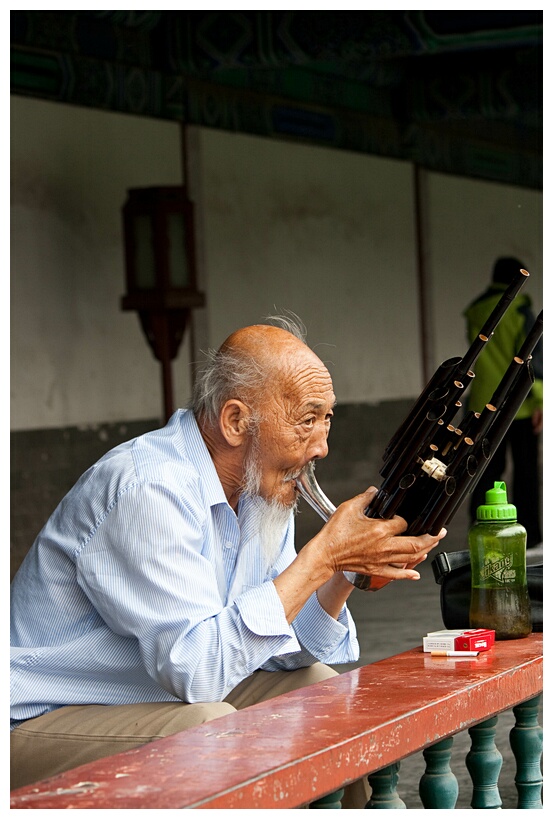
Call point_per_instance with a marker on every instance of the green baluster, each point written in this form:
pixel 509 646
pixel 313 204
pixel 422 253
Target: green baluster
pixel 526 738
pixel 438 787
pixel 484 765
pixel 331 800
pixel 384 793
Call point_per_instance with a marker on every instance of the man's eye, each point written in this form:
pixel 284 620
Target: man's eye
pixel 309 422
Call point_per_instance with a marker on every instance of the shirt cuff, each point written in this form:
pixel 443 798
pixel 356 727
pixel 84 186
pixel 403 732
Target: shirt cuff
pixel 262 612
pixel 325 635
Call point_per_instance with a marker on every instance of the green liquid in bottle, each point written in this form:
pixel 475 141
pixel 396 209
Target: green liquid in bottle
pixel 497 543
pixel 507 611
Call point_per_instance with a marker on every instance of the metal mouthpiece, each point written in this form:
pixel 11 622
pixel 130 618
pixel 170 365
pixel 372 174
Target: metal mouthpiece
pixel 310 491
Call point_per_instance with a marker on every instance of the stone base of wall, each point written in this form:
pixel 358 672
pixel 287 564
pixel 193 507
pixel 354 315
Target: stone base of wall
pixel 46 463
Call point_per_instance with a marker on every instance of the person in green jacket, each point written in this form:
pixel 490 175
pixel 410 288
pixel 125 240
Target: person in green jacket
pixel 523 435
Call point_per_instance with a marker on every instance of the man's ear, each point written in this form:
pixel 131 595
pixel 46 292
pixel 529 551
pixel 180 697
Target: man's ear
pixel 234 422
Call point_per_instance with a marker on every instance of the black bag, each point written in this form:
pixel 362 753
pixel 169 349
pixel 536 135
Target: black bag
pixel 452 573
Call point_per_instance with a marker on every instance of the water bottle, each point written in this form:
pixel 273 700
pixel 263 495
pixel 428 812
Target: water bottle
pixel 499 590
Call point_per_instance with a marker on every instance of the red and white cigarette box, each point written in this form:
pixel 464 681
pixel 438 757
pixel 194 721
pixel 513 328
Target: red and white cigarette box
pixel 470 639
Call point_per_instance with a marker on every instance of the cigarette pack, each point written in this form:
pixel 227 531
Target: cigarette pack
pixel 470 639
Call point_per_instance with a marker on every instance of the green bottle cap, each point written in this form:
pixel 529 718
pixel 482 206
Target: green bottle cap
pixel 497 506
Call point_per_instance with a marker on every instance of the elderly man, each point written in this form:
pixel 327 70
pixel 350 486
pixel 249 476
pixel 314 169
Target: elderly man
pixel 165 590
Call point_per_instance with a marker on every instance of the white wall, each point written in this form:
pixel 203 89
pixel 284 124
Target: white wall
pixel 76 358
pixel 326 234
pixel 281 226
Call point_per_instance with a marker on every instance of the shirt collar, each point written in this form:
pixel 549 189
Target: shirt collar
pixel 198 453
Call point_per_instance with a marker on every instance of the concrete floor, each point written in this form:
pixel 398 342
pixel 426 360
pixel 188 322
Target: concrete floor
pixel 409 610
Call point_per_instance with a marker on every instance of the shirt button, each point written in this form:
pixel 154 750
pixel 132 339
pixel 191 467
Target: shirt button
pixel 228 544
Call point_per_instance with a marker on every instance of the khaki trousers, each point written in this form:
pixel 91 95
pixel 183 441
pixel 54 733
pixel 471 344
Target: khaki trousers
pixel 76 734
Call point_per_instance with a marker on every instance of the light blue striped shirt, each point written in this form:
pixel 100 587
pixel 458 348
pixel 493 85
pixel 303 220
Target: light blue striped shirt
pixel 145 586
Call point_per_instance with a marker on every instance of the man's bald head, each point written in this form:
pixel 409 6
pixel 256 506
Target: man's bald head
pixel 269 347
pixel 250 361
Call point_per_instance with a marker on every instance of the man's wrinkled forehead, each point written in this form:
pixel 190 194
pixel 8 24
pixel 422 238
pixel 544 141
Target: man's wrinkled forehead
pixel 318 405
pixel 303 390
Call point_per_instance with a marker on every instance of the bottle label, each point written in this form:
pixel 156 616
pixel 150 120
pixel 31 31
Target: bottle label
pixel 500 570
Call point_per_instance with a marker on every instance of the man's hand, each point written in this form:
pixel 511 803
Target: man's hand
pixel 351 542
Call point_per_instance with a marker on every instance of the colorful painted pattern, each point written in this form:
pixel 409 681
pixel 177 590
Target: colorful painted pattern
pixel 453 91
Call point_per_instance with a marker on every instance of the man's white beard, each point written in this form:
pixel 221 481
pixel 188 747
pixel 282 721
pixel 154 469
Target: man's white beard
pixel 273 514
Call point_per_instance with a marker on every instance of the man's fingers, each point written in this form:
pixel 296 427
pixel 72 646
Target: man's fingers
pixel 442 534
pixel 423 542
pixel 367 496
pixel 419 547
pixel 392 572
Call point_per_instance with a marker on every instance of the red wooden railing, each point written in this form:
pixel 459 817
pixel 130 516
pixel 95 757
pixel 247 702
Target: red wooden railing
pixel 294 749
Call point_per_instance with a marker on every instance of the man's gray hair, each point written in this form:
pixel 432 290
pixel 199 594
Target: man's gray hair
pixel 227 374
pixel 289 322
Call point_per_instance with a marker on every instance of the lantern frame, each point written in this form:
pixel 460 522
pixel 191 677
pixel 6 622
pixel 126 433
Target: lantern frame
pixel 162 292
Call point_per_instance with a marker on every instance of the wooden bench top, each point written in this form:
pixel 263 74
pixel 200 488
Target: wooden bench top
pixel 300 746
